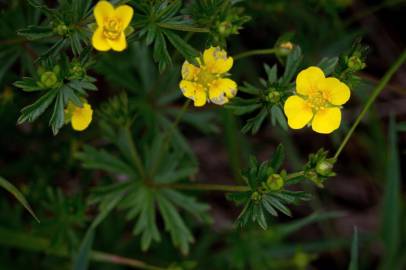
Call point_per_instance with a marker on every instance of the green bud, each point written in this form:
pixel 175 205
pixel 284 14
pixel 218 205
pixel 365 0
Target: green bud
pixel 224 28
pixel 275 182
pixel 274 96
pixel 256 196
pixel 76 71
pixel 301 260
pixel 355 63
pixel 324 167
pixel 61 29
pixel 49 79
pixel 284 48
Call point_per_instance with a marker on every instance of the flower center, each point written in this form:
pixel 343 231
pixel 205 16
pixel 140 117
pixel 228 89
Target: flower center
pixel 112 28
pixel 205 77
pixel 317 101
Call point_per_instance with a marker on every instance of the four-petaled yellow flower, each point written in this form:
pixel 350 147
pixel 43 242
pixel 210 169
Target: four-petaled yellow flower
pixel 207 82
pixel 80 117
pixel 111 24
pixel 317 101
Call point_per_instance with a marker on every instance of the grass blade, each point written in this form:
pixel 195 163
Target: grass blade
pixel 18 195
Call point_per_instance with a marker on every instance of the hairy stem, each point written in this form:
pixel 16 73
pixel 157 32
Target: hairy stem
pixel 378 89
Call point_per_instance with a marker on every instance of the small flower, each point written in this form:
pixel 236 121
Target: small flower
pixel 317 102
pixel 207 82
pixel 111 24
pixel 80 117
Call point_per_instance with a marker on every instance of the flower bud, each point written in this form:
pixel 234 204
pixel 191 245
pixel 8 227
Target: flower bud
pixel 285 48
pixel 274 96
pixel 355 63
pixel 275 182
pixel 256 196
pixel 76 71
pixel 49 79
pixel 61 29
pixel 324 167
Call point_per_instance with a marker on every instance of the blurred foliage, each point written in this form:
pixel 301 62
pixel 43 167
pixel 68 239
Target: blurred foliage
pixel 136 190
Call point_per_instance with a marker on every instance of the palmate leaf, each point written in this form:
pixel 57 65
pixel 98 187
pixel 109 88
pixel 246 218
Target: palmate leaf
pixel 157 22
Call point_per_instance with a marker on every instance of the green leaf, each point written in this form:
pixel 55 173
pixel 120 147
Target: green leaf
pixel 278 117
pixel 278 157
pixel 33 111
pixel 100 159
pixel 161 54
pixel 391 212
pixel 271 73
pixel 292 64
pixel 328 65
pixel 81 260
pixel 354 251
pixel 18 195
pixel 58 116
pixel 182 27
pixel 255 123
pixel 180 234
pixel 278 205
pixel 34 32
pixel 28 84
pixel 183 48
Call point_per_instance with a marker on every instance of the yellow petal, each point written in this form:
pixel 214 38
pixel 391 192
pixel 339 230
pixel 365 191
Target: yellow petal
pixel 102 11
pixel 124 13
pixel 297 112
pixel 336 92
pixel 200 97
pixel 81 117
pixel 221 90
pixel 327 120
pixel 118 44
pixel 307 79
pixel 189 71
pixel 99 41
pixel 188 88
pixel 216 60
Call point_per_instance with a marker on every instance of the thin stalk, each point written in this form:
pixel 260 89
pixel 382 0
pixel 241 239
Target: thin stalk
pixel 25 241
pixel 378 89
pixel 254 52
pixel 168 135
pixel 206 187
pixel 217 187
pixel 181 27
pixel 134 155
pixel 115 259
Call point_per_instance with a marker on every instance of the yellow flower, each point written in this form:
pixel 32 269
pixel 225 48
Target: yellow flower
pixel 111 24
pixel 317 101
pixel 207 81
pixel 80 117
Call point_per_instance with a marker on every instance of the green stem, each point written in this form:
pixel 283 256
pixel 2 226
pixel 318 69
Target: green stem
pixel 217 187
pixel 134 155
pixel 378 89
pixel 115 259
pixel 182 27
pixel 254 52
pixel 167 136
pixel 29 242
pixel 207 187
